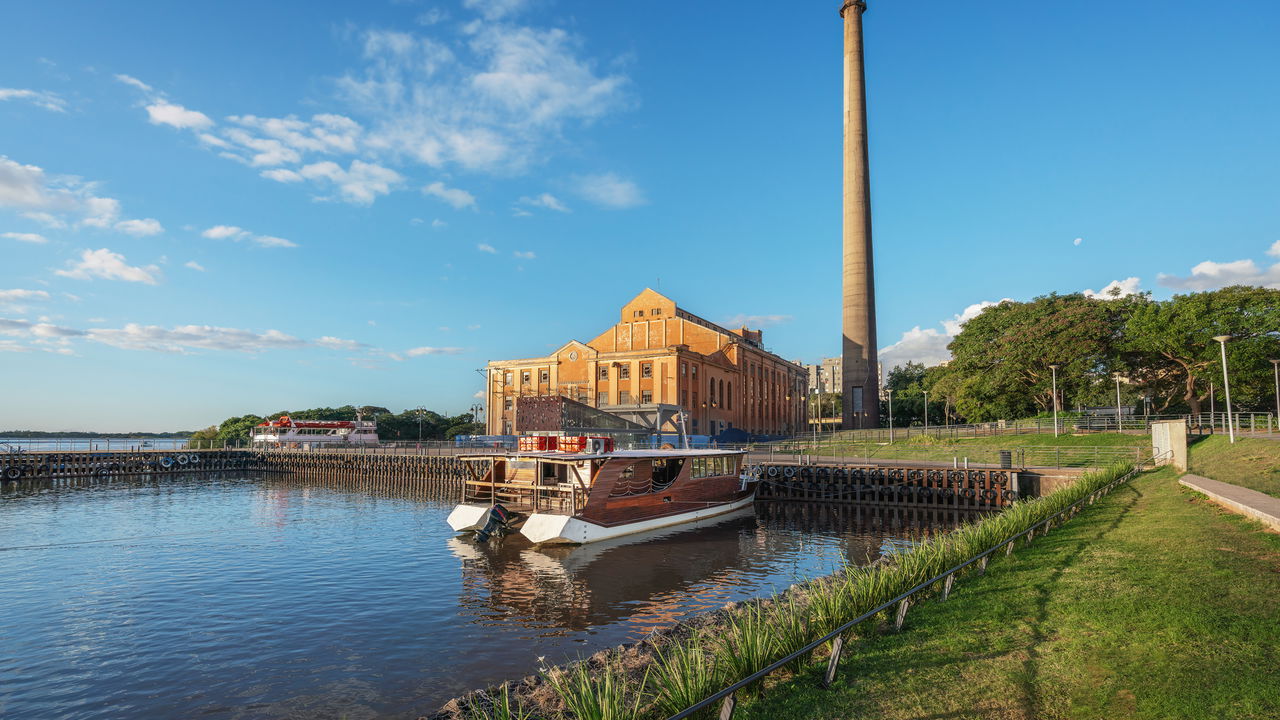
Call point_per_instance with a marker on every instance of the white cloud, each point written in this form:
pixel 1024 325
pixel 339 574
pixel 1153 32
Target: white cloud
pixel 221 232
pixel 140 228
pixel 360 184
pixel 1116 289
pixel 495 9
pixel 27 188
pixel 610 191
pixel 438 223
pixel 323 133
pixel 15 300
pixel 281 175
pixel 420 351
pixel 545 200
pixel 1274 251
pixel 40 98
pixel 272 241
pixel 163 112
pixel 334 343
pixel 109 266
pixel 929 345
pixel 1077 241
pixel 25 237
pixel 135 82
pixel 193 265
pixel 192 337
pixel 755 321
pixel 1210 275
pixel 232 232
pixel 525 255
pixel 457 198
pixel 486 247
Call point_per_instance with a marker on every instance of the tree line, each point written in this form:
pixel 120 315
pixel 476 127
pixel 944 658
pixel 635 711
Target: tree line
pixel 1163 352
pixel 405 425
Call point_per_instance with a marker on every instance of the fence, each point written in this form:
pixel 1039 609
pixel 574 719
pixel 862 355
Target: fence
pixel 1082 456
pixel 726 696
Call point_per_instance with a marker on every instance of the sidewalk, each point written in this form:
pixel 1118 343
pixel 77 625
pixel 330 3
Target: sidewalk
pixel 1244 501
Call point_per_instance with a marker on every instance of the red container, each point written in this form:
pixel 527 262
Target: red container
pixel 537 443
pixel 573 444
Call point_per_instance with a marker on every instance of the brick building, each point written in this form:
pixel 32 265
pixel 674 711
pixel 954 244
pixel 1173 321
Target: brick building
pixel 656 361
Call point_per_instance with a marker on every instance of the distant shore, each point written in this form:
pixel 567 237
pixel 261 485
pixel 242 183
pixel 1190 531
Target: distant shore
pixel 81 434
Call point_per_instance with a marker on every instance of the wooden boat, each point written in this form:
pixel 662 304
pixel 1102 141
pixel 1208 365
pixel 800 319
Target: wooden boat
pixel 559 496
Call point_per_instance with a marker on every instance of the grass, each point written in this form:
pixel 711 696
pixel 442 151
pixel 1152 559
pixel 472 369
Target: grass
pixel 1067 450
pixel 1150 604
pixel 755 635
pixel 1251 463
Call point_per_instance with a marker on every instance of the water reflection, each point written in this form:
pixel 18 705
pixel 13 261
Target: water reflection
pixel 272 596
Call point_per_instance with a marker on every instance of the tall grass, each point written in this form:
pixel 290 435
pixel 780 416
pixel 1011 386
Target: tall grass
pixel 756 636
pixel 500 707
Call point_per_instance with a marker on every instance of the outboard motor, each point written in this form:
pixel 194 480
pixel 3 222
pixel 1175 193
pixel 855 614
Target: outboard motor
pixel 499 517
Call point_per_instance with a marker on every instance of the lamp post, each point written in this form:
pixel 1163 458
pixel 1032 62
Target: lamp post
pixel 421 412
pixel 889 392
pixel 1226 384
pixel 926 412
pixel 1119 426
pixel 1054 368
pixel 1275 366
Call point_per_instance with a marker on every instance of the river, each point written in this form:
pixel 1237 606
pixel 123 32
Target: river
pixel 254 597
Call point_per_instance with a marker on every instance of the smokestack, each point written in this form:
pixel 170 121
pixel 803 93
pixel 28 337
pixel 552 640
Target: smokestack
pixel 860 385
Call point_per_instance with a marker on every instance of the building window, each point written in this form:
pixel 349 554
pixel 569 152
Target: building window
pixel 656 311
pixel 506 377
pixel 684 397
pixel 637 313
pixel 721 391
pixel 624 397
pixel 604 372
pixel 602 398
pixel 524 377
pixel 506 403
pixel 544 376
pixel 728 399
pixel 646 396
pixel 695 400
pixel 695 372
pixel 624 372
pixel 646 370
pixel 684 369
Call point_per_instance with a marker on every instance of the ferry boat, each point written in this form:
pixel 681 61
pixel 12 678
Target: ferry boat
pixel 287 432
pixel 579 490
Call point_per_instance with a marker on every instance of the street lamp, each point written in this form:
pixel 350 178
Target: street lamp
pixel 1226 384
pixel 1275 366
pixel 1119 425
pixel 1054 368
pixel 889 391
pixel 421 412
pixel 926 412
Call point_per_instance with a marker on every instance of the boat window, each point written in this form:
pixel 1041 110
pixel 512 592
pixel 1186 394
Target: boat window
pixel 629 484
pixel 665 472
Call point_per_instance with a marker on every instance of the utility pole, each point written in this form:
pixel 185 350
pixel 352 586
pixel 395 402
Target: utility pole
pixel 1054 368
pixel 1226 384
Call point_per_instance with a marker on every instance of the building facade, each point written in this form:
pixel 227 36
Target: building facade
pixel 657 362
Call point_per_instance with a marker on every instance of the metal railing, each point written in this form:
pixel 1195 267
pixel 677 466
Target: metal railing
pixel 726 696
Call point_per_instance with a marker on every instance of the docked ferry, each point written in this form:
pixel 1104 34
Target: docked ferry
pixel 580 490
pixel 287 432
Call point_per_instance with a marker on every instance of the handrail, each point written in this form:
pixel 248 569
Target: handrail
pixel 727 692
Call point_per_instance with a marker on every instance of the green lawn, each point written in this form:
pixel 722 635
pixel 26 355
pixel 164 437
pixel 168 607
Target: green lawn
pixel 1152 603
pixel 1065 450
pixel 1250 462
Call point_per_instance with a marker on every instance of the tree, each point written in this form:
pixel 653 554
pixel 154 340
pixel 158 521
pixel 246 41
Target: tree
pixel 1172 347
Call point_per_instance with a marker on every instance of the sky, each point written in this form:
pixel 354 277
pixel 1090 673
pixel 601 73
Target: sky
pixel 214 209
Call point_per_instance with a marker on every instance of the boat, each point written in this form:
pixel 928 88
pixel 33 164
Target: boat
pixel 287 432
pixel 580 490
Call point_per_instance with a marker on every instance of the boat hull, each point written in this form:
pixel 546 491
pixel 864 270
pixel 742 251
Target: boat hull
pixel 546 529
pixel 465 518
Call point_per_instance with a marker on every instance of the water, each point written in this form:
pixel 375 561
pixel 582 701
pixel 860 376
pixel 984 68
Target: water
pixel 247 597
pixel 46 444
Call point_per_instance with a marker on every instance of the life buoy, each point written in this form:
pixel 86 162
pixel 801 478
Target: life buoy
pixel 772 471
pixel 194 458
pixel 166 462
pixel 1010 495
pixel 989 494
pixel 182 459
pixel 13 472
pixel 757 471
pixel 968 493
pixel 789 471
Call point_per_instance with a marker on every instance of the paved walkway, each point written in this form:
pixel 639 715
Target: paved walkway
pixel 1237 499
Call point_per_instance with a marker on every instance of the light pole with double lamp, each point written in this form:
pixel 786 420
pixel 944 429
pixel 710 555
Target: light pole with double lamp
pixel 889 392
pixel 1226 385
pixel 1054 368
pixel 1275 366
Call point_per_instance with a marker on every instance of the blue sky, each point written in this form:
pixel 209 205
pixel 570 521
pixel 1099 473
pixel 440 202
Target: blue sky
pixel 212 209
